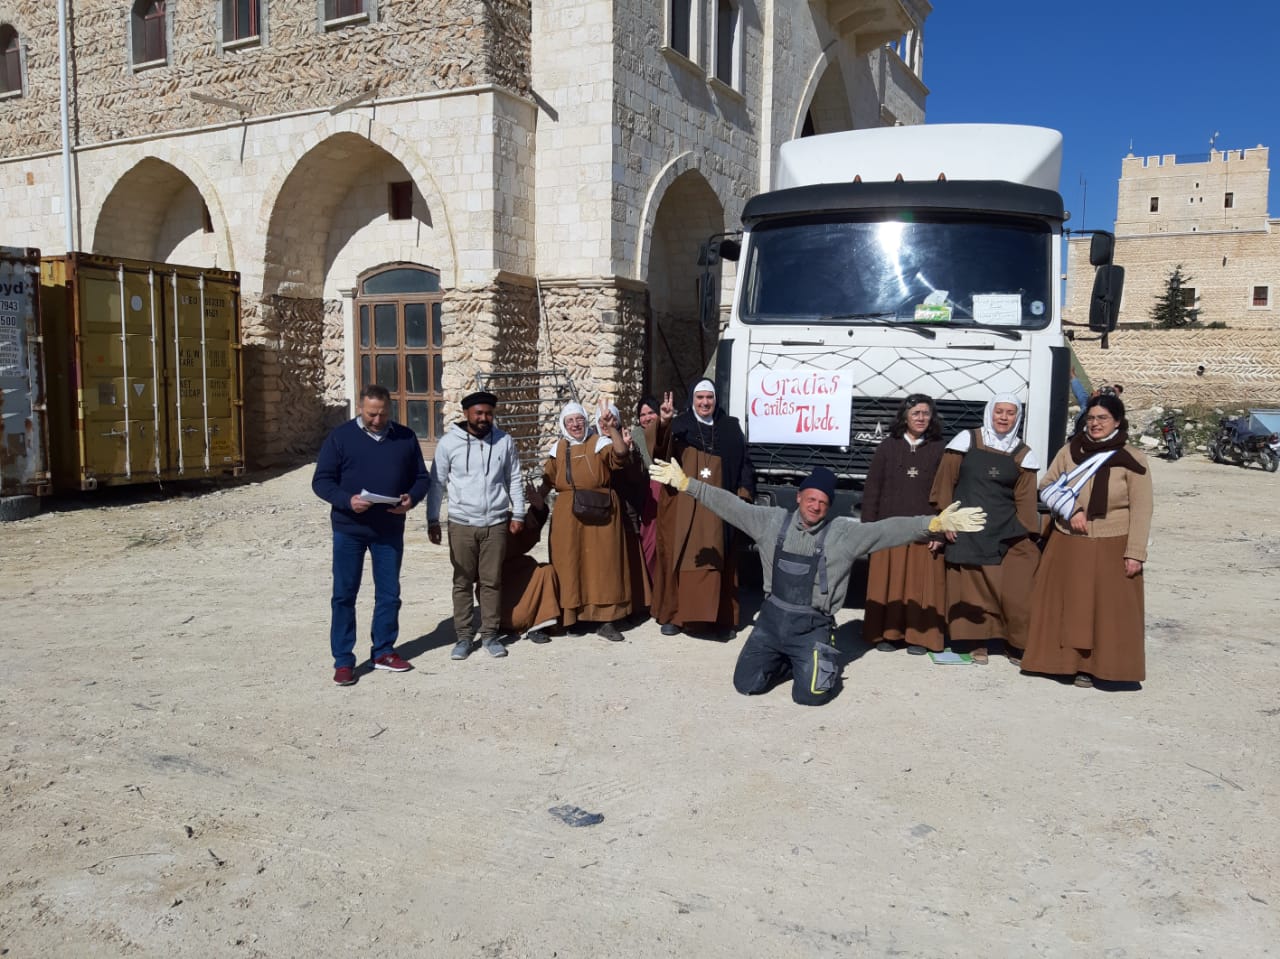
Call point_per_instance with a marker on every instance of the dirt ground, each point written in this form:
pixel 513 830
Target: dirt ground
pixel 181 777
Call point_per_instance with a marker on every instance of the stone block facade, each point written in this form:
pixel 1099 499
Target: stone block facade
pixel 1230 256
pixel 546 143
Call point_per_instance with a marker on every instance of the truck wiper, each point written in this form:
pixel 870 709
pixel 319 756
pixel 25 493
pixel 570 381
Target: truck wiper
pixel 888 318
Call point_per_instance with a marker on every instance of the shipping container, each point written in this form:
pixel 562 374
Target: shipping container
pixel 144 371
pixel 24 438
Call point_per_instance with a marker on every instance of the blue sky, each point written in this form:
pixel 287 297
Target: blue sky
pixel 1165 76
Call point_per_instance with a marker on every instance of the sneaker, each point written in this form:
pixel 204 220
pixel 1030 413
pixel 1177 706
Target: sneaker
pixel 493 646
pixel 670 629
pixel 344 676
pixel 610 632
pixel 915 650
pixel 462 649
pixel 885 646
pixel 1083 681
pixel 538 636
pixel 393 662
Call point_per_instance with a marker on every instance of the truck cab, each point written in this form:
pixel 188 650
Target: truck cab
pixel 893 261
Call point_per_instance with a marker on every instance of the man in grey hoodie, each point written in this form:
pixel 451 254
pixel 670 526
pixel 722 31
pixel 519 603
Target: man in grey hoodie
pixel 478 465
pixel 806 575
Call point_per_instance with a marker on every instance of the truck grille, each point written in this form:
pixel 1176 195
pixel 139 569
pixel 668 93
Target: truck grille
pixel 872 419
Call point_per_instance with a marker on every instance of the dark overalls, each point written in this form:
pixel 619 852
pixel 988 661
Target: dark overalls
pixel 791 638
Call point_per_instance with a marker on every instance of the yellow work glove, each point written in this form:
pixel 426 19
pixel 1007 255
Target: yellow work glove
pixel 670 474
pixel 954 519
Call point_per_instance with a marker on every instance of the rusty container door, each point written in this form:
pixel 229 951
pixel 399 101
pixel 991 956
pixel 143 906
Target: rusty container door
pixel 24 450
pixel 150 385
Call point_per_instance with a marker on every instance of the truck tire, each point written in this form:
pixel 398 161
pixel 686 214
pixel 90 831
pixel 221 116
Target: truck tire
pixel 18 507
pixel 1269 460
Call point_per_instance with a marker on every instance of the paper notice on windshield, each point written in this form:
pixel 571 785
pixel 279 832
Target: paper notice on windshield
pixel 997 309
pixel 379 498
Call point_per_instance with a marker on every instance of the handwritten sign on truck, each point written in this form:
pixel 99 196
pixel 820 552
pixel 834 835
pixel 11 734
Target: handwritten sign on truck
pixel 801 406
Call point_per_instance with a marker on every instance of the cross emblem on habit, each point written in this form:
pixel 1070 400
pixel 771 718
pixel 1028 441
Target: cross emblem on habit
pixel 993 472
pixel 704 473
pixel 913 472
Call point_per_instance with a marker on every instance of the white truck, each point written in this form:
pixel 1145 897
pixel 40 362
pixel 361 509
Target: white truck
pixel 894 261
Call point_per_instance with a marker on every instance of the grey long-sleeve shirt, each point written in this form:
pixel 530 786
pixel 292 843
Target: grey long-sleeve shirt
pixel 847 541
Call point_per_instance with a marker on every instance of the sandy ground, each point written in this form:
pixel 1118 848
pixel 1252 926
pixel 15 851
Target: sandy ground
pixel 181 778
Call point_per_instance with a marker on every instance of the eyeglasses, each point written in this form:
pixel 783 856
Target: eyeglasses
pixel 1099 419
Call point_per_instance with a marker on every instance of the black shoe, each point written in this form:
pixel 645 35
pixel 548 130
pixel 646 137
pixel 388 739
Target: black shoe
pixel 538 636
pixel 670 629
pixel 915 650
pixel 885 646
pixel 610 632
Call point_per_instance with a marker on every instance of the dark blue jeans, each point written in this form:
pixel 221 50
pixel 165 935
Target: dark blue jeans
pixel 385 554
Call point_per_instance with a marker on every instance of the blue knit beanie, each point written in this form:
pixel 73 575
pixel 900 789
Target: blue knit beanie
pixel 823 480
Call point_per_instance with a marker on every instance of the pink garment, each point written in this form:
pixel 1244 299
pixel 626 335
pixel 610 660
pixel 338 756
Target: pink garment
pixel 649 527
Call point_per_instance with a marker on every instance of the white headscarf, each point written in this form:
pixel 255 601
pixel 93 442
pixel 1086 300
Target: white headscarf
pixel 570 409
pixel 1009 441
pixel 703 386
pixel 1005 444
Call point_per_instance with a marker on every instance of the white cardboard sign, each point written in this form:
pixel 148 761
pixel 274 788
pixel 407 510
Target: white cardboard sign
pixel 800 406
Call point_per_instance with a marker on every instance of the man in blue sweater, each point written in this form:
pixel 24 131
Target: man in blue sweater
pixel 371 472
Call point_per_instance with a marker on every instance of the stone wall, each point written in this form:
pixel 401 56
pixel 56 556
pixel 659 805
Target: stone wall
pixel 1223 267
pixel 291 375
pixel 598 337
pixel 1160 367
pixel 488 328
pixel 1191 195
pixel 413 47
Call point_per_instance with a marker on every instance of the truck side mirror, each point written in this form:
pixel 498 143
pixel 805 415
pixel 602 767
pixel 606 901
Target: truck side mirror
pixel 1102 247
pixel 730 250
pixel 1104 305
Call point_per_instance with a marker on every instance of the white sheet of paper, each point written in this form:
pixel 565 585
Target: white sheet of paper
pixel 997 309
pixel 379 498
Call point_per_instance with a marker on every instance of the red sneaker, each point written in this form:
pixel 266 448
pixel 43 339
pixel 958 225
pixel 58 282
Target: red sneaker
pixel 393 662
pixel 344 676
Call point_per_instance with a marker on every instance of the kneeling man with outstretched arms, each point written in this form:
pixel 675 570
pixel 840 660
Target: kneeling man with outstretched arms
pixel 807 558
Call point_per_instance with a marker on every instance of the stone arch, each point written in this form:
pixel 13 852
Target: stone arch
pixel 661 183
pixel 686 212
pixel 151 207
pixel 824 103
pixel 334 139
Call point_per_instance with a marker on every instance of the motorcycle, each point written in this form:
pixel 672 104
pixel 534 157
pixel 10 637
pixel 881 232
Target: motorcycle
pixel 1236 443
pixel 1172 438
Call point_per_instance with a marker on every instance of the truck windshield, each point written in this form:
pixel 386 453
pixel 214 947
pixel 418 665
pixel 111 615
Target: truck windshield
pixel 938 269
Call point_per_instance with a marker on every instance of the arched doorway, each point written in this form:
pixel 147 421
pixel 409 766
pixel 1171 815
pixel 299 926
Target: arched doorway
pixel 400 345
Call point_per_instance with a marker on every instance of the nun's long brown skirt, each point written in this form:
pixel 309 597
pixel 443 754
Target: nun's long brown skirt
pixel 1086 615
pixel 906 597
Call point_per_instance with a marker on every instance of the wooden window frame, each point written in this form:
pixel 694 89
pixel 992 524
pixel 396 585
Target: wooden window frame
pixel 12 74
pixel 149 33
pixel 436 417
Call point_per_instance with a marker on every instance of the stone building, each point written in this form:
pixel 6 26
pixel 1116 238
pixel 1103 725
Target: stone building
pixel 414 191
pixel 1209 215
